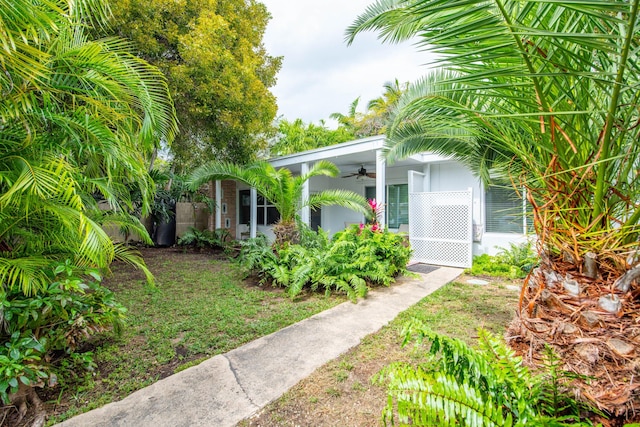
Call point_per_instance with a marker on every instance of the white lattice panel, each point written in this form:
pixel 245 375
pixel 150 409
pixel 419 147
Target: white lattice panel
pixel 440 227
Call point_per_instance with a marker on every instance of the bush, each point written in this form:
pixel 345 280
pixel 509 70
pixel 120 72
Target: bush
pixel 351 262
pixel 513 263
pixel 488 386
pixel 202 239
pixel 57 319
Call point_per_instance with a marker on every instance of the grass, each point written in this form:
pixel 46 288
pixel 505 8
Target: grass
pixel 342 392
pixel 200 307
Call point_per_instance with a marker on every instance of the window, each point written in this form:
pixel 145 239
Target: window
pixel 267 213
pixel 397 207
pixel 504 210
pixel 244 214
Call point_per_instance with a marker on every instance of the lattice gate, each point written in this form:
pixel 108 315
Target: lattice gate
pixel 440 227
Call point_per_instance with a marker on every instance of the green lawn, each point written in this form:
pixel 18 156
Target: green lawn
pixel 199 307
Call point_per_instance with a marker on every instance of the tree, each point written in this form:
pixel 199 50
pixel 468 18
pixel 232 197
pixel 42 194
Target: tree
pixel 78 120
pixel 281 189
pixel 379 110
pixel 351 119
pixel 218 71
pixel 296 136
pixel 542 94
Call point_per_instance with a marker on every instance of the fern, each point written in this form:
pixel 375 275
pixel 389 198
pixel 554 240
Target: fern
pixel 349 263
pixel 205 238
pixel 460 385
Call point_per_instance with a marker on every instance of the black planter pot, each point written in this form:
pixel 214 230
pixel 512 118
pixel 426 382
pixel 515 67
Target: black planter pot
pixel 164 233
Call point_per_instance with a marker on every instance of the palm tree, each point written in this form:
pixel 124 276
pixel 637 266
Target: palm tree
pixel 542 94
pixel 282 189
pixel 380 109
pixel 351 119
pixel 78 118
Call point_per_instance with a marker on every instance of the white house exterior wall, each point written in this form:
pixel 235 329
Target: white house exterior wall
pixel 438 174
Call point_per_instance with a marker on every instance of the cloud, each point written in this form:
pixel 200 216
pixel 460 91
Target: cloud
pixel 320 73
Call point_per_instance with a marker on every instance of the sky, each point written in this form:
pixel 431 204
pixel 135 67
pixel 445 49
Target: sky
pixel 320 74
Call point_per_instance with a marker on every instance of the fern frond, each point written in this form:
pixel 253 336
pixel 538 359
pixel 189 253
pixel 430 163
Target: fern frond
pixel 435 398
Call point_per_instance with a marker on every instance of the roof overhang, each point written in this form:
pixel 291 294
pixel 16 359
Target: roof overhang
pixel 348 156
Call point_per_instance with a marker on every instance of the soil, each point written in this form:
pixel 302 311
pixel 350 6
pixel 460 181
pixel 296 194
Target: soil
pixel 344 392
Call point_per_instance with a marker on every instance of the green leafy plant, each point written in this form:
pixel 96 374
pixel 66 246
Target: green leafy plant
pixel 351 262
pixel 487 386
pixel 515 262
pixel 71 308
pixel 205 238
pixel 520 255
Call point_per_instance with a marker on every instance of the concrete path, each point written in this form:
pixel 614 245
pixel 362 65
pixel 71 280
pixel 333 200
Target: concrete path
pixel 227 388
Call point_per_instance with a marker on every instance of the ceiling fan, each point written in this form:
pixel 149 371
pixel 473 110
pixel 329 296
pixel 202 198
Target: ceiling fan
pixel 362 173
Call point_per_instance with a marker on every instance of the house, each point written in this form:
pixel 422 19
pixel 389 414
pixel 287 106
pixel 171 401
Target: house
pixel 448 213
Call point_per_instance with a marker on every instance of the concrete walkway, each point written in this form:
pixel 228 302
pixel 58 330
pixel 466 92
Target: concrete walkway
pixel 227 388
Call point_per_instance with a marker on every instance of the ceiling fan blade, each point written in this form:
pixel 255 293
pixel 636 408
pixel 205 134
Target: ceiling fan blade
pixel 371 175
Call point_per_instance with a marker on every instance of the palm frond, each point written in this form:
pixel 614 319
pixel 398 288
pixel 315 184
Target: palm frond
pixel 344 198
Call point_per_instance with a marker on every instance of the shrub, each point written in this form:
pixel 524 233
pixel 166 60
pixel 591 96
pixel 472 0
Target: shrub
pixel 202 239
pixel 515 262
pixel 351 262
pixel 56 319
pixel 488 386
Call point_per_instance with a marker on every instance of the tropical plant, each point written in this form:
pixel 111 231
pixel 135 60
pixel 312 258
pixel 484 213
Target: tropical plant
pixel 354 260
pixel 515 262
pixel 282 189
pixel 542 94
pixel 202 239
pixel 489 386
pixel 78 118
pixel 374 120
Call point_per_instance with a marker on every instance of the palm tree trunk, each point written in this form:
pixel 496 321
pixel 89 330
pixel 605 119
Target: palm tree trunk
pixel 286 232
pixel 592 326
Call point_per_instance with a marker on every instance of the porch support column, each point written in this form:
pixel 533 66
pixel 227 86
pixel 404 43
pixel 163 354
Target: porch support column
pixel 427 177
pixel 253 215
pixel 305 212
pixel 381 181
pixel 218 205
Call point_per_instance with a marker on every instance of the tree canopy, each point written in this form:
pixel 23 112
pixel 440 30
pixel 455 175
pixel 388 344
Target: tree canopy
pixel 217 68
pixel 295 136
pixel 543 94
pixel 379 110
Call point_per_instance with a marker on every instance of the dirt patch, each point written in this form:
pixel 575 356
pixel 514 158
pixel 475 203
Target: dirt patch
pixel 344 392
pixel 340 393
